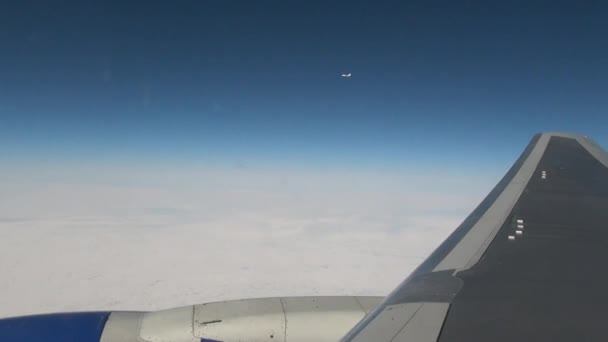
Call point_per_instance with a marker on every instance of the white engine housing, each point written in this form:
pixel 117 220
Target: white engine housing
pixel 285 319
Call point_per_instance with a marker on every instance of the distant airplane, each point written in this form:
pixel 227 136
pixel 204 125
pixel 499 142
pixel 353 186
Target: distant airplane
pixel 347 75
pixel 526 265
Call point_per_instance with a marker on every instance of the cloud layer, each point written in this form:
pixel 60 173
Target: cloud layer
pixel 139 240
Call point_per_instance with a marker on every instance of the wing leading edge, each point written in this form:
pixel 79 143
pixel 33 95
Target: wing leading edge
pixel 526 264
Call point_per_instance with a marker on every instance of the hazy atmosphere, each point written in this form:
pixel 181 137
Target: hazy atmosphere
pixel 158 154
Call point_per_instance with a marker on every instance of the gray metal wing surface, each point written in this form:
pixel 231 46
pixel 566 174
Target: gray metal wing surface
pixel 528 264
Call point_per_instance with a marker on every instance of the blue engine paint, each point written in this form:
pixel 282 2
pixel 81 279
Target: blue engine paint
pixel 64 327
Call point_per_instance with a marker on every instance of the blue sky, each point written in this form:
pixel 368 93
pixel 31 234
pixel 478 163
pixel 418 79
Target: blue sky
pixel 259 81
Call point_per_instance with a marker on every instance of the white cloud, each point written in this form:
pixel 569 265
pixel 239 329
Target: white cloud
pixel 135 240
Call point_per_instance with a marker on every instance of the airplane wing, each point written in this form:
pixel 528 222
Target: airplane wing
pixel 526 265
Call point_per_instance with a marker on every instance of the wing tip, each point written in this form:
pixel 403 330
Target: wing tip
pixel 563 135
